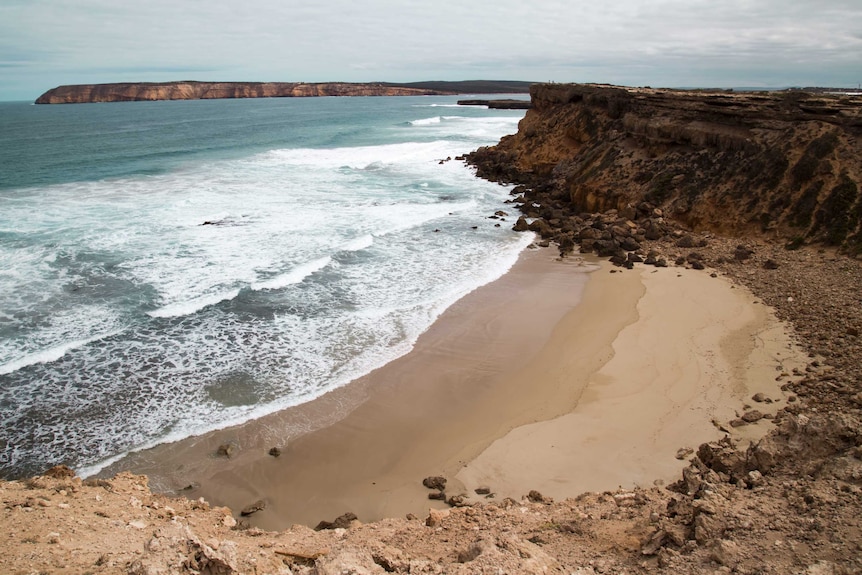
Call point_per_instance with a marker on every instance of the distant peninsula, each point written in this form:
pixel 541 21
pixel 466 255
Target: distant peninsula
pixel 149 91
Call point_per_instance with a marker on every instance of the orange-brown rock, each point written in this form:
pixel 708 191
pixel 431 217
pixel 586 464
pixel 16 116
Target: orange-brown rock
pixel 784 163
pixel 135 91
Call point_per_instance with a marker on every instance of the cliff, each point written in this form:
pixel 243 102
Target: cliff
pixel 137 91
pixel 130 92
pixel 778 163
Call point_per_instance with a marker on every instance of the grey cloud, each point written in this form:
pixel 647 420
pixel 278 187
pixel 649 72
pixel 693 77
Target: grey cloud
pixel 628 41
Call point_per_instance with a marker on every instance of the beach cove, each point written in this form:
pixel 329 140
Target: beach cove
pixel 562 377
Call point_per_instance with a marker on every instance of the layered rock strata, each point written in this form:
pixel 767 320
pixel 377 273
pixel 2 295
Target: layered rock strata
pixel 785 164
pixel 138 91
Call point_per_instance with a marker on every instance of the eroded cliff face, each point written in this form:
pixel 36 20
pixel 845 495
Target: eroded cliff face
pixel 786 163
pixel 130 92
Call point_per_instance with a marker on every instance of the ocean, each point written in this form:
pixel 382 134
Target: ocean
pixel 170 268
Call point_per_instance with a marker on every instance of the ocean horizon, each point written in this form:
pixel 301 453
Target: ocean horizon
pixel 170 268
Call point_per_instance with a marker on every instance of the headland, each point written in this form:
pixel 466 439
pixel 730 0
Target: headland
pixel 192 90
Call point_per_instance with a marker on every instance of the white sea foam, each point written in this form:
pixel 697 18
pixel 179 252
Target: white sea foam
pixel 360 243
pixel 50 354
pixel 426 121
pixel 190 306
pixel 294 276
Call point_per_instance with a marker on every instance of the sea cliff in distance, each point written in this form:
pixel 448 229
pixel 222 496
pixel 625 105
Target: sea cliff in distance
pixel 144 91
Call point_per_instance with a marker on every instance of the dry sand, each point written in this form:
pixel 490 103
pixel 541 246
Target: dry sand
pixel 699 351
pixel 531 382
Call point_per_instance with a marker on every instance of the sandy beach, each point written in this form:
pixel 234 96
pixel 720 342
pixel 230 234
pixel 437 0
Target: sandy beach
pixel 562 376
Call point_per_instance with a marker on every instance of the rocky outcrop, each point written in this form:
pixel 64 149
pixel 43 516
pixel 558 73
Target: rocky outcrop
pixel 137 91
pixel 776 163
pixel 507 104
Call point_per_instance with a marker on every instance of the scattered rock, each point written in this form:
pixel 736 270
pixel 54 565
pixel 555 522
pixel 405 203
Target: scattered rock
pixel 258 505
pixel 754 479
pixel 483 490
pixel 686 241
pixel 752 416
pixel 225 450
pixel 537 497
pixel 435 482
pixel 436 517
pixel 458 501
pixel 275 451
pixel 742 253
pixel 341 522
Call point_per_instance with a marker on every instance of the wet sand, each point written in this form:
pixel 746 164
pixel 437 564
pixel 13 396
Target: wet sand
pixel 540 380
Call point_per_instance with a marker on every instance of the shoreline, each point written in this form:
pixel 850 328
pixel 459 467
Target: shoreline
pixel 528 300
pixel 514 365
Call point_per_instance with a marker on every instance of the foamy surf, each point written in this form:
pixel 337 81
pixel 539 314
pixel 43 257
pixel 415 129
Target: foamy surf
pixel 313 245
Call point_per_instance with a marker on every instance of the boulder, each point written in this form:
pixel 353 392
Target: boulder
pixel 341 522
pixel 629 244
pixel 752 416
pixel 258 505
pixel 458 501
pixel 686 241
pixel 742 253
pixel 521 225
pixel 722 456
pixel 435 482
pixel 537 497
pixel 436 517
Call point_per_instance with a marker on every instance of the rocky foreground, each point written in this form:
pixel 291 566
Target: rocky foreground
pixel 791 503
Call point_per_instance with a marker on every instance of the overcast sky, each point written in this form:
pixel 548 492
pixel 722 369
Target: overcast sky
pixel 669 43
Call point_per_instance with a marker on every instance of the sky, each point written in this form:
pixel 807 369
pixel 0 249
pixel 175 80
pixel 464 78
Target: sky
pixel 660 43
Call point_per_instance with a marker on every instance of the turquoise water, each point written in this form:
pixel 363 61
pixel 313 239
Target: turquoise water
pixel 168 268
